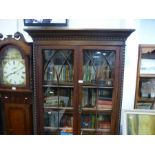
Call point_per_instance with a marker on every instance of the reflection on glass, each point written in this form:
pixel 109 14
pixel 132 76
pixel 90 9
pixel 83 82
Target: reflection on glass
pixel 58 97
pixel 58 122
pixel 89 98
pixel 147 65
pixel 58 66
pixel 140 124
pixel 98 66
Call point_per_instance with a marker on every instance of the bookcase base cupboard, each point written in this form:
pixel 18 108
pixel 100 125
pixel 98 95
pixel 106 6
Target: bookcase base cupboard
pixel 78 80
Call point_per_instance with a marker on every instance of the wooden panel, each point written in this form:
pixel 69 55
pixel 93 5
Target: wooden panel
pixel 18 119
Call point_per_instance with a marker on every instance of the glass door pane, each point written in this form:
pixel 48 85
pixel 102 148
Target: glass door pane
pixel 58 90
pixel 97 91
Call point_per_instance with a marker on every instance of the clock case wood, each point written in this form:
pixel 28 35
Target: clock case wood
pixel 17 41
pixel 16 105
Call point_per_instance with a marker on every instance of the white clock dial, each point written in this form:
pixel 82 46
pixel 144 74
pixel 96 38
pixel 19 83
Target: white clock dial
pixel 14 72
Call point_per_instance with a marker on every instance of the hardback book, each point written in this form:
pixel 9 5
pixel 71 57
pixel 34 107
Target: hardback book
pixel 104 104
pixel 104 124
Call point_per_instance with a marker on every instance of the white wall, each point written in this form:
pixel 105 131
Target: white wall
pixel 145 33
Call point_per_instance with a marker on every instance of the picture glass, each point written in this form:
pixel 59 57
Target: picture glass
pixel 140 123
pixel 45 22
pixel 147 64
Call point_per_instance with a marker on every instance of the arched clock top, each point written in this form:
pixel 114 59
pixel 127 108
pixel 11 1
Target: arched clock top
pixel 17 40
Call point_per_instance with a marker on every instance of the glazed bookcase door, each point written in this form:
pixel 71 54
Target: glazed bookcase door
pixel 97 90
pixel 58 90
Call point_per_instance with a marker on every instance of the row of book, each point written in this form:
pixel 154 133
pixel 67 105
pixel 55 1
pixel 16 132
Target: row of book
pixel 63 101
pixel 88 121
pixel 93 97
pixel 90 100
pixel 104 104
pixel 55 101
pixel 91 73
pixel 91 121
pixel 89 97
pixel 58 119
pixel 104 121
pixel 104 124
pixel 148 89
pixel 59 72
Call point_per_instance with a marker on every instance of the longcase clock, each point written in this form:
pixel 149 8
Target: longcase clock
pixel 15 85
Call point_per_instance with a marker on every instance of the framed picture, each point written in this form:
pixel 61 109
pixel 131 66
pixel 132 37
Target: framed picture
pixel 147 66
pixel 45 22
pixel 139 122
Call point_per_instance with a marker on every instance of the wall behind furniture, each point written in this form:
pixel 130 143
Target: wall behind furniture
pixel 145 33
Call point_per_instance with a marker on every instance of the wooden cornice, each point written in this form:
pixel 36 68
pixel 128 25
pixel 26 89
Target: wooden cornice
pixel 79 34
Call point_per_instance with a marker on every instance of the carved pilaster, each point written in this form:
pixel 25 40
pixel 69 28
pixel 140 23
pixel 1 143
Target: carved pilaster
pixel 35 48
pixel 122 64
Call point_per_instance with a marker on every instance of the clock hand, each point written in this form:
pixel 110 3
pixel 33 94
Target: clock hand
pixel 10 74
pixel 19 69
pixel 14 72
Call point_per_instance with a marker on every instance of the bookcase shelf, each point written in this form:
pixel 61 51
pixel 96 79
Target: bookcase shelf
pixel 57 128
pixel 78 79
pixel 60 86
pixel 87 129
pixel 95 131
pixel 56 83
pixel 96 86
pixel 95 110
pixel 147 75
pixel 67 109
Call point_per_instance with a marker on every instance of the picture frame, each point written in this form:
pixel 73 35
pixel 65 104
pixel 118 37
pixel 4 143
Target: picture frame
pixel 45 22
pixel 139 122
pixel 147 66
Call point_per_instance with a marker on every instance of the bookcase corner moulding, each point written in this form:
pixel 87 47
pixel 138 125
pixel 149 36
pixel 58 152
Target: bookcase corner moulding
pixel 78 78
pixel 145 87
